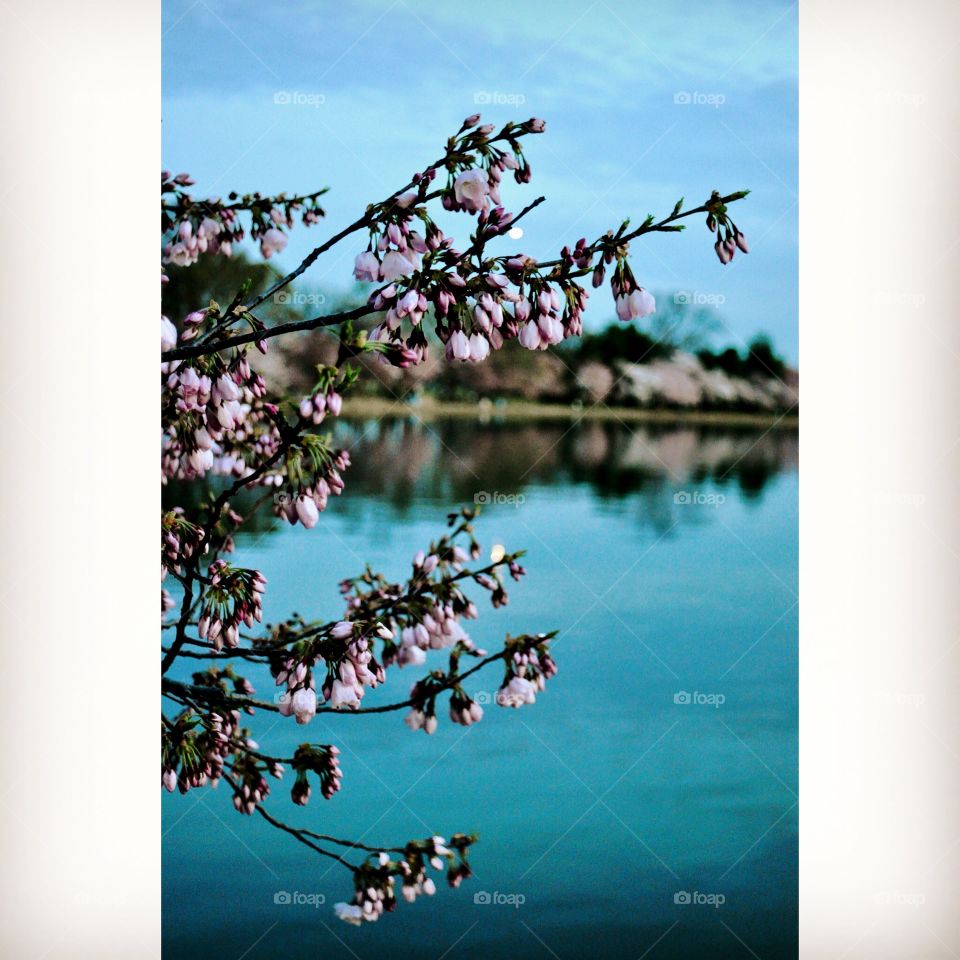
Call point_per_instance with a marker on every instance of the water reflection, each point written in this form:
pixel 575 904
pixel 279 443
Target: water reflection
pixel 651 599
pixel 403 460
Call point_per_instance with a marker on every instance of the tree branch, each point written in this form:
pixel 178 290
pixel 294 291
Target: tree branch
pixel 216 697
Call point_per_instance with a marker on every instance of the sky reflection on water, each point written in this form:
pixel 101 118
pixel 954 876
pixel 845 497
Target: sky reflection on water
pixel 660 762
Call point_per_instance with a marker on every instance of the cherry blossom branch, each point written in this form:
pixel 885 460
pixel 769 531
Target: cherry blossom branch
pixel 215 512
pixel 649 226
pixel 510 132
pixel 256 336
pixel 213 696
pixel 301 835
pixel 217 420
pixel 296 326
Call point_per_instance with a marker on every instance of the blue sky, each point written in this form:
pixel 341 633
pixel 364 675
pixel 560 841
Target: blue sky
pixel 374 87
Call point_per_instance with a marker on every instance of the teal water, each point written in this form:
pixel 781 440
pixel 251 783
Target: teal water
pixel 667 559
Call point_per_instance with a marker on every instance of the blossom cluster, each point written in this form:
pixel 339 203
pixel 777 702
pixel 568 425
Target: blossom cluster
pixel 375 880
pixel 349 671
pixel 730 238
pixel 215 419
pixel 321 760
pixel 529 667
pixel 194 227
pixel 478 308
pixel 407 621
pixel 196 746
pixel 315 472
pixel 232 598
pixel 218 421
pixel 179 538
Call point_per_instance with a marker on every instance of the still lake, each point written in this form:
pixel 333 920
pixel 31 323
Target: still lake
pixel 644 806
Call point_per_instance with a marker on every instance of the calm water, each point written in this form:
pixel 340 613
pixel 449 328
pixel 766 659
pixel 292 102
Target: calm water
pixel 605 801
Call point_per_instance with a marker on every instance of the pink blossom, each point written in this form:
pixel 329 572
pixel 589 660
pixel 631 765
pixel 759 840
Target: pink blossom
pixel 723 254
pixel 180 255
pixel 273 241
pixel 458 346
pixel 635 305
pixel 530 336
pixel 479 347
pixel 349 913
pixel 307 511
pixel 471 189
pixel 304 705
pixel 642 303
pixel 409 301
pixel 396 265
pixel 343 695
pixel 366 267
pixel 516 693
pixel 168 334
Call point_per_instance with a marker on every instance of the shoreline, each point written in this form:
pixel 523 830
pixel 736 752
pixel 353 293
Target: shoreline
pixel 485 410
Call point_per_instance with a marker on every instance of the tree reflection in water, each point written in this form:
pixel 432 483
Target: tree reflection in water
pixel 404 459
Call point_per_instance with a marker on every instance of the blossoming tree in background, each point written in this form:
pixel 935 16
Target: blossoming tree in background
pixel 224 432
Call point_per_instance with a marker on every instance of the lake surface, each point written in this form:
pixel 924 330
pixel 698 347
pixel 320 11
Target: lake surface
pixel 645 806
